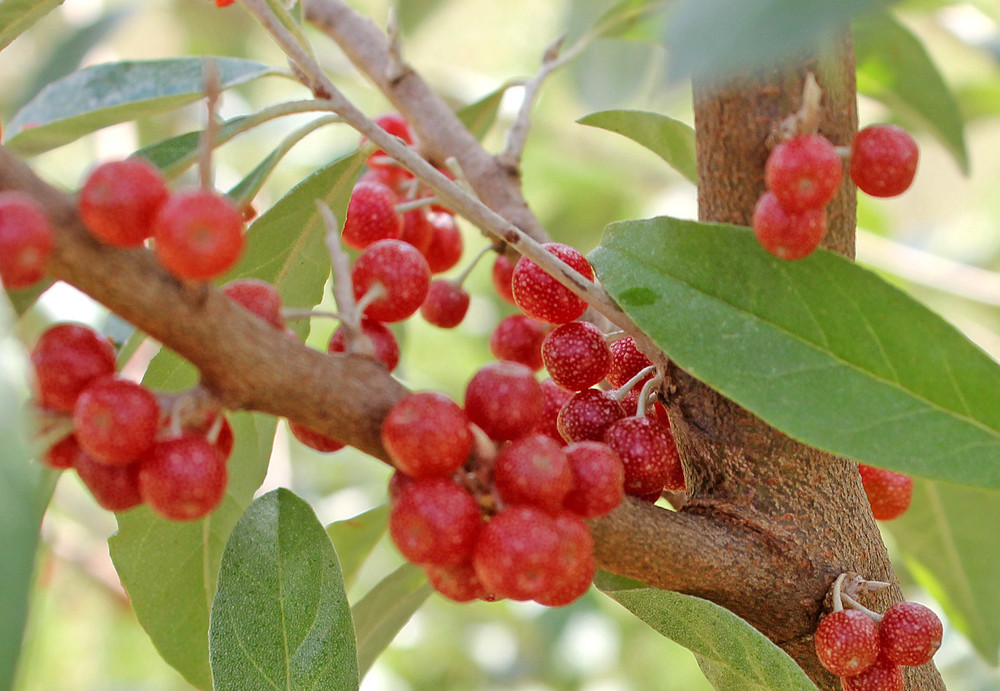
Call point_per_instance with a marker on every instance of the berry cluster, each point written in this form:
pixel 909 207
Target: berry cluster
pixel 866 649
pixel 121 444
pixel 803 174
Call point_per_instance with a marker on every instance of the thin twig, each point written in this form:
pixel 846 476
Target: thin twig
pixel 210 77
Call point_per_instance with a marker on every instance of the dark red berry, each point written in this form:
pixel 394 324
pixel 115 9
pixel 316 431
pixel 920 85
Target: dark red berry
pixel 588 414
pixel 576 355
pixel 25 240
pixel 67 358
pixel 402 273
pixel 445 305
pixel 648 453
pixel 259 297
pixel 533 470
pixel 541 296
pixel 555 398
pixel 445 247
pixel 371 216
pixel 426 434
pixel 847 642
pixel 434 521
pixel 884 675
pixel 383 340
pixel 883 160
pixel 458 583
pixel 504 399
pixel 396 125
pixel 313 439
pixel 198 234
pixel 503 271
pixel 888 492
pixel 804 172
pixel 519 339
pixel 910 633
pixel 787 235
pixel 116 420
pixel 598 479
pixel 114 487
pixel 183 478
pixel 513 555
pixel 626 362
pixel 120 199
pixel 63 454
pixel 417 229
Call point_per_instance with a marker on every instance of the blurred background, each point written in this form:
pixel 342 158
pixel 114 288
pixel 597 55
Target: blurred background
pixel 941 241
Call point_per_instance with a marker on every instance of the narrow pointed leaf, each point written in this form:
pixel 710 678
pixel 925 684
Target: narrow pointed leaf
pixel 169 568
pixel 103 95
pixel 944 537
pixel 17 16
pixel 380 614
pixel 733 655
pixel 671 140
pixel 623 17
pixel 280 619
pixel 479 117
pixel 175 154
pixel 822 349
pixel 895 68
pixel 356 537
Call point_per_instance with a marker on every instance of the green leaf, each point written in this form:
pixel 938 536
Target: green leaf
pixel 17 16
pixel 895 68
pixel 380 614
pixel 169 568
pixel 623 17
pixel 25 488
pixel 280 619
pixel 825 351
pixel 23 300
pixel 733 655
pixel 671 140
pixel 946 539
pixel 107 94
pixel 719 38
pixel 356 537
pixel 479 117
pixel 175 154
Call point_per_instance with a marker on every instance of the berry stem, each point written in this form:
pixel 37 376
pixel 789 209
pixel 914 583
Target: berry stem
pixel 854 604
pixel 460 279
pixel 343 288
pixel 210 80
pixel 647 389
pixel 806 119
pixel 838 603
pixel 415 204
pixel 290 314
pixel 623 390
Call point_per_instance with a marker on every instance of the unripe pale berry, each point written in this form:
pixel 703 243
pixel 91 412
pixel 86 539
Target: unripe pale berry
pixel 847 642
pixel 541 296
pixel 910 633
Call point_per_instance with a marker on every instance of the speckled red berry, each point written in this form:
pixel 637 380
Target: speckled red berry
pixel 458 583
pixel 426 434
pixel 533 470
pixel 541 296
pixel 400 270
pixel 554 398
pixel 784 234
pixel 259 297
pixel 25 240
pixel 519 339
pixel 598 479
pixel 116 420
pixel 649 455
pixel 847 642
pixel 383 341
pixel 434 521
pixel 884 675
pixel 504 399
pixel 371 216
pixel 576 355
pixel 587 414
pixel 67 358
pixel 910 633
pixel 804 172
pixel 513 555
pixel 198 234
pixel 503 270
pixel 626 362
pixel 573 563
pixel 445 305
pixel 183 478
pixel 883 160
pixel 120 199
pixel 889 493
pixel 445 246
pixel 114 487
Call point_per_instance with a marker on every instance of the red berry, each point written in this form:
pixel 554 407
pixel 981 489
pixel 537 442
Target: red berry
pixel 533 470
pixel 383 340
pixel 888 492
pixel 371 216
pixel 503 271
pixel 224 439
pixel 445 247
pixel 787 235
pixel 541 296
pixel 259 297
pixel 120 199
pixel 573 563
pixel 513 555
pixel 555 398
pixel 445 305
pixel 183 478
pixel 25 240
pixel 434 521
pixel 313 439
pixel 116 420
pixel 224 3
pixel 804 172
pixel 587 414
pixel 417 229
pixel 910 633
pixel 504 399
pixel 648 453
pixel 519 339
pixel 198 234
pixel 458 583
pixel 847 642
pixel 626 362
pixel 884 675
pixel 400 270
pixel 67 358
pixel 576 355
pixel 883 160
pixel 598 479
pixel 396 125
pixel 63 454
pixel 114 487
pixel 427 434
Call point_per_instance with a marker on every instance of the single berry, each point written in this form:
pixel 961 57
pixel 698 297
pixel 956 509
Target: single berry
pixel 910 633
pixel 402 274
pixel 426 434
pixel 259 297
pixel 313 439
pixel 787 235
pixel 883 160
pixel 573 562
pixel 598 479
pixel 417 229
pixel 519 339
pixel 25 240
pixel 67 358
pixel 223 438
pixel 434 521
pixel 513 555
pixel 114 487
pixel 445 247
pixel 504 399
pixel 116 420
pixel 371 216
pixel 888 492
pixel 804 172
pixel 544 298
pixel 183 478
pixel 120 199
pixel 884 675
pixel 198 234
pixel 576 355
pixel 533 470
pixel 446 304
pixel 649 455
pixel 383 341
pixel 626 362
pixel 458 583
pixel 396 125
pixel 555 398
pixel 587 414
pixel 847 642
pixel 503 271
pixel 63 454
